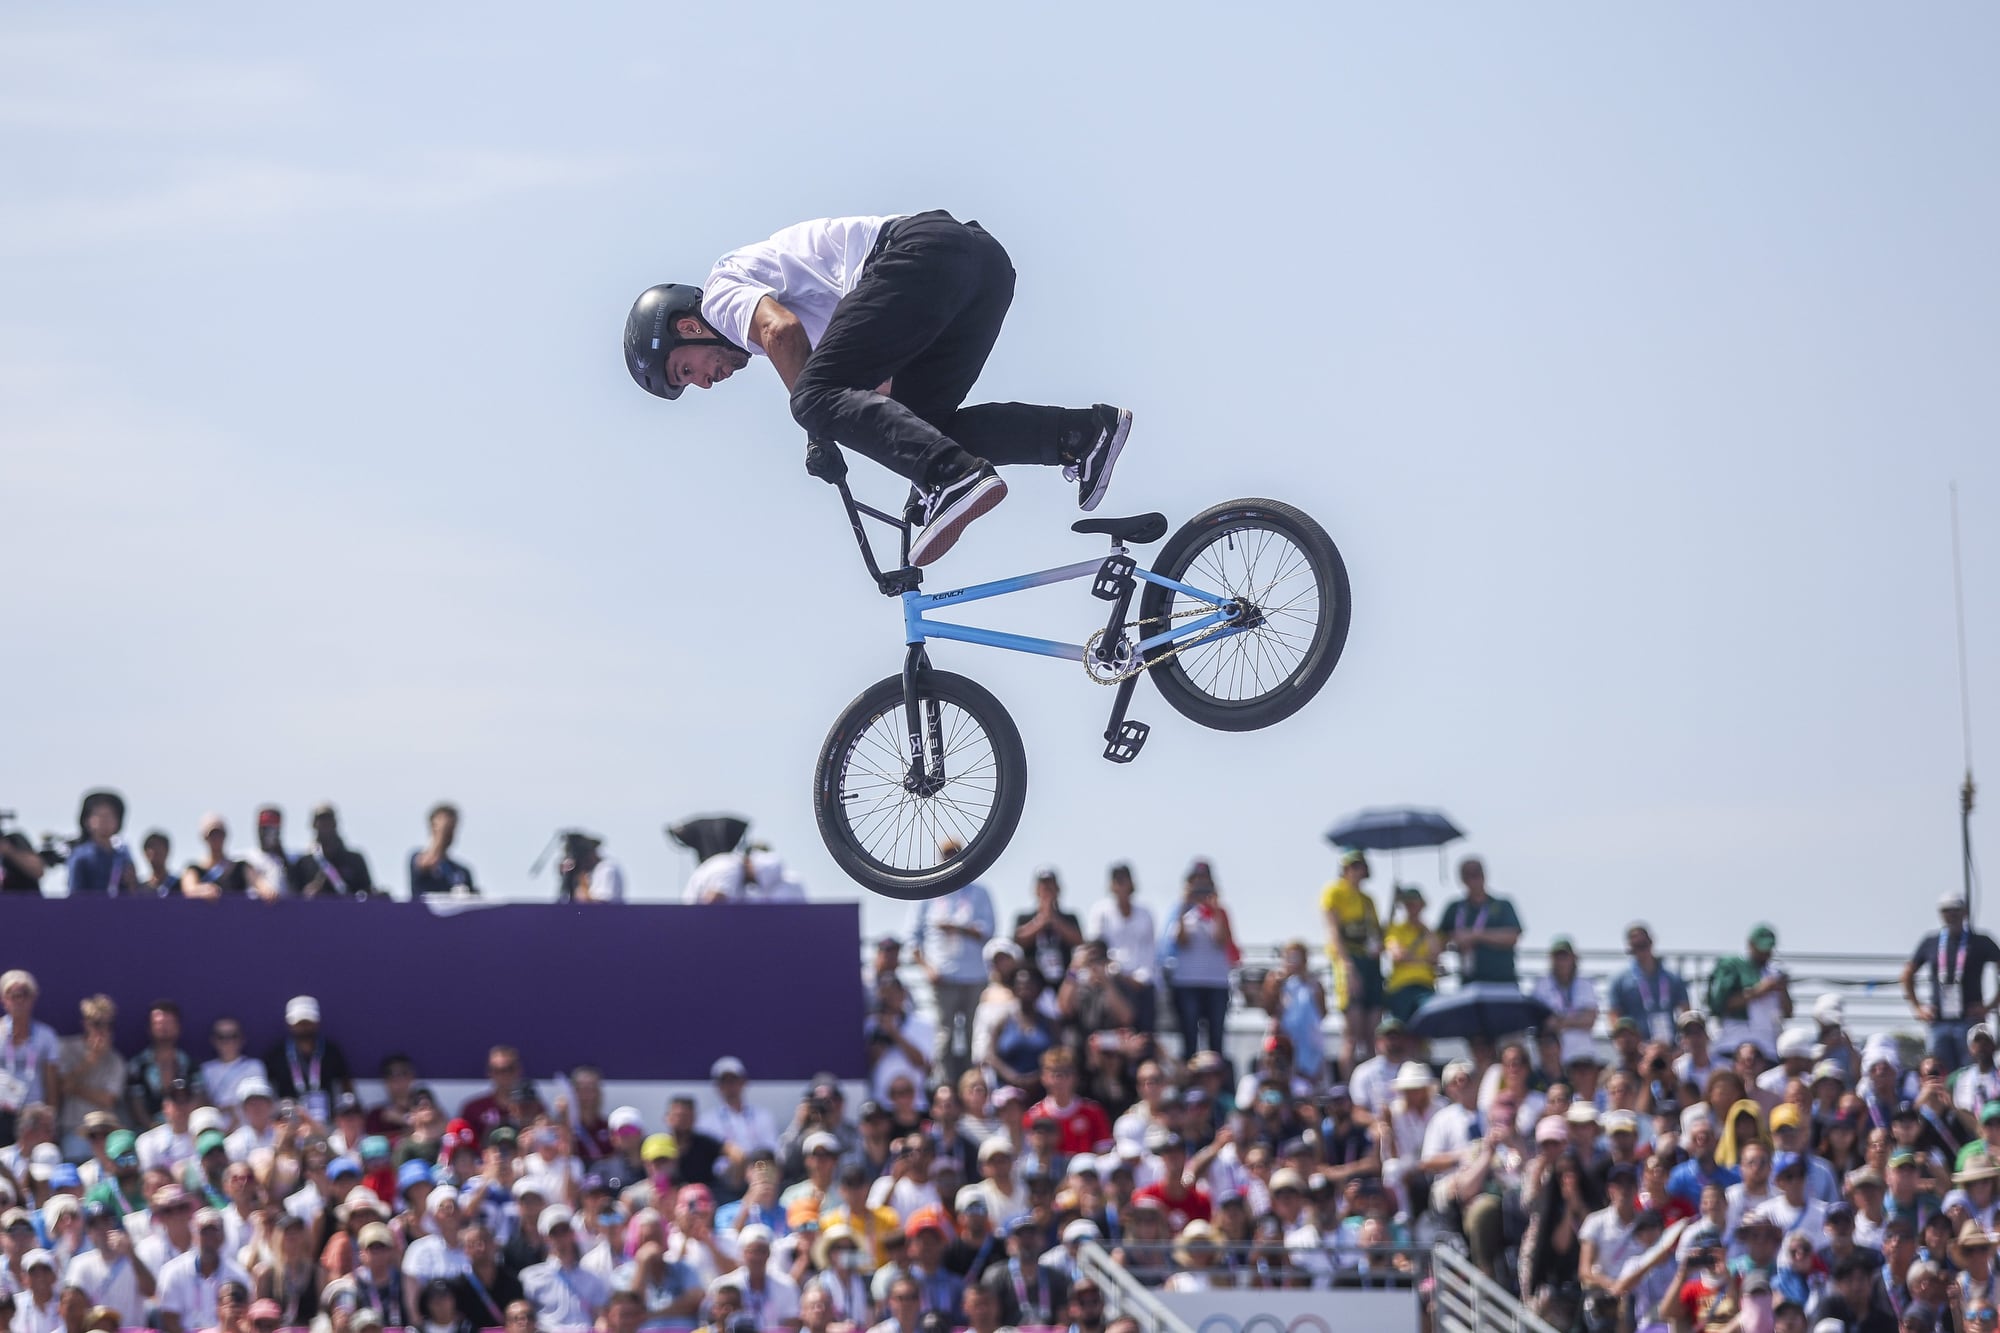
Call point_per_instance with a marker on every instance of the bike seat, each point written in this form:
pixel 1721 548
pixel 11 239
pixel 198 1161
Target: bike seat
pixel 1140 528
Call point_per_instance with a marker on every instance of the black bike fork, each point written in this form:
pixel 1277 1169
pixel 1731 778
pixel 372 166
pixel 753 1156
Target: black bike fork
pixel 926 770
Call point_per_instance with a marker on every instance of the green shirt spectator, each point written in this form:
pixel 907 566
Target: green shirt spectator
pixel 1482 928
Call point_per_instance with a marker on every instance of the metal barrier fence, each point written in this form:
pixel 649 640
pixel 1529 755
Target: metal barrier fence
pixel 1329 1266
pixel 1868 984
pixel 1465 1300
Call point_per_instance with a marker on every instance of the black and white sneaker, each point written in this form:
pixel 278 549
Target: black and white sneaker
pixel 1092 472
pixel 949 508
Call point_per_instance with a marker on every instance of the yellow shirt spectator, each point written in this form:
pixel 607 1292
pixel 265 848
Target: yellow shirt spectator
pixel 1351 914
pixel 869 1226
pixel 1357 933
pixel 1416 968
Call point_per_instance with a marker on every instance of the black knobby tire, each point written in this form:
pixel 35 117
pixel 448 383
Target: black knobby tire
pixel 1279 558
pixel 886 836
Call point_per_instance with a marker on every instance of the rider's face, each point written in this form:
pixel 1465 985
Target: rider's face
pixel 704 367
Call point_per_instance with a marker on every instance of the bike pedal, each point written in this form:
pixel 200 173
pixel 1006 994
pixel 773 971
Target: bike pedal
pixel 1114 578
pixel 1124 747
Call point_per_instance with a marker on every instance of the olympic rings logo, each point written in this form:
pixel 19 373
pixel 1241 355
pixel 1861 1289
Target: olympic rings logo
pixel 1263 1323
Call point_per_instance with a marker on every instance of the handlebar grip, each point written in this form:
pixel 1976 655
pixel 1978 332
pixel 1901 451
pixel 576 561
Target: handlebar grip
pixel 825 461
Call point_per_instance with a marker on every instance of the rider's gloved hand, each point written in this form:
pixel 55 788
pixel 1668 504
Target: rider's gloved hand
pixel 823 460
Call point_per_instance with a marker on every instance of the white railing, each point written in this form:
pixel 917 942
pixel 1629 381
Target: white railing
pixel 1465 1300
pixel 1125 1297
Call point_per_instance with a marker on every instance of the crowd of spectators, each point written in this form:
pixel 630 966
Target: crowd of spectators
pixel 1659 1153
pixel 100 863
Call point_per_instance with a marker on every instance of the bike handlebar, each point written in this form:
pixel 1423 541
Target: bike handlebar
pixel 825 461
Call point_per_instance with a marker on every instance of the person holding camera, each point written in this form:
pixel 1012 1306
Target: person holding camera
pixel 432 869
pixel 1204 950
pixel 1701 1292
pixel 21 868
pixel 822 1110
pixel 1486 1187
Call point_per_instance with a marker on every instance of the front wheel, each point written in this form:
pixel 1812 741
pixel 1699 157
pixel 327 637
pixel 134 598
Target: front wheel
pixel 1278 564
pixel 920 840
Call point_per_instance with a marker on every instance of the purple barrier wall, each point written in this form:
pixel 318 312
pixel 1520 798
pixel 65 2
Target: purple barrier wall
pixel 643 992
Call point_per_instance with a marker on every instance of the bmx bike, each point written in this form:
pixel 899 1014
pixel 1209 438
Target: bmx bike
pixel 922 779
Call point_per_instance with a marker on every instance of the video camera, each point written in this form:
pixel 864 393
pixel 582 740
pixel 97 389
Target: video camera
pixel 53 850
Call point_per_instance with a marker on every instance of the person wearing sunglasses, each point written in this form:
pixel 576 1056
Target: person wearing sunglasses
pixel 91 1075
pixel 230 1069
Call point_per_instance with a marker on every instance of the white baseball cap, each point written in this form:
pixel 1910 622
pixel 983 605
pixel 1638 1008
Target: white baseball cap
pixel 1413 1075
pixel 998 946
pixel 1797 1043
pixel 301 1009
pixel 726 1066
pixel 625 1117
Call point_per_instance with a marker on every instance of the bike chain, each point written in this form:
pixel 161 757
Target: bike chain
pixel 1173 650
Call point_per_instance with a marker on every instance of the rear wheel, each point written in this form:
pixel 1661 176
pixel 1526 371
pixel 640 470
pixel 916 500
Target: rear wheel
pixel 891 838
pixel 1281 564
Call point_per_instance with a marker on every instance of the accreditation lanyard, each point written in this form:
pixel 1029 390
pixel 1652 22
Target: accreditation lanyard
pixel 306 1080
pixel 332 875
pixel 1944 945
pixel 16 1057
pixel 499 1315
pixel 1652 1003
pixel 1032 1311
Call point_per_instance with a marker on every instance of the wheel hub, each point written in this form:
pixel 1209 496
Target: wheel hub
pixel 1248 615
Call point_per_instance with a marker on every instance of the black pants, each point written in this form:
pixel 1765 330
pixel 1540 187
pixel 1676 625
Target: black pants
pixel 926 313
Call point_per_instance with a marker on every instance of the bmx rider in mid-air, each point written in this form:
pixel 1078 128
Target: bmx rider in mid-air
pixel 878 326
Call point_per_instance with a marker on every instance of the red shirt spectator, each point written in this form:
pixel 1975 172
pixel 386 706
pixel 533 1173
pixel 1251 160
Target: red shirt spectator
pixel 1182 1205
pixel 1085 1126
pixel 488 1112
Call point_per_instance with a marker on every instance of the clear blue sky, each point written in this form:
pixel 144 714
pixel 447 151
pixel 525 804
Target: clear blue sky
pixel 1626 354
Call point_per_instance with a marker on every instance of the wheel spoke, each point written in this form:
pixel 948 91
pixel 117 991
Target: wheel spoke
pixel 1265 566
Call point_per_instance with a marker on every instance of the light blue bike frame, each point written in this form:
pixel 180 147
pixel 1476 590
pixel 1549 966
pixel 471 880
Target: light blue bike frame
pixel 918 627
